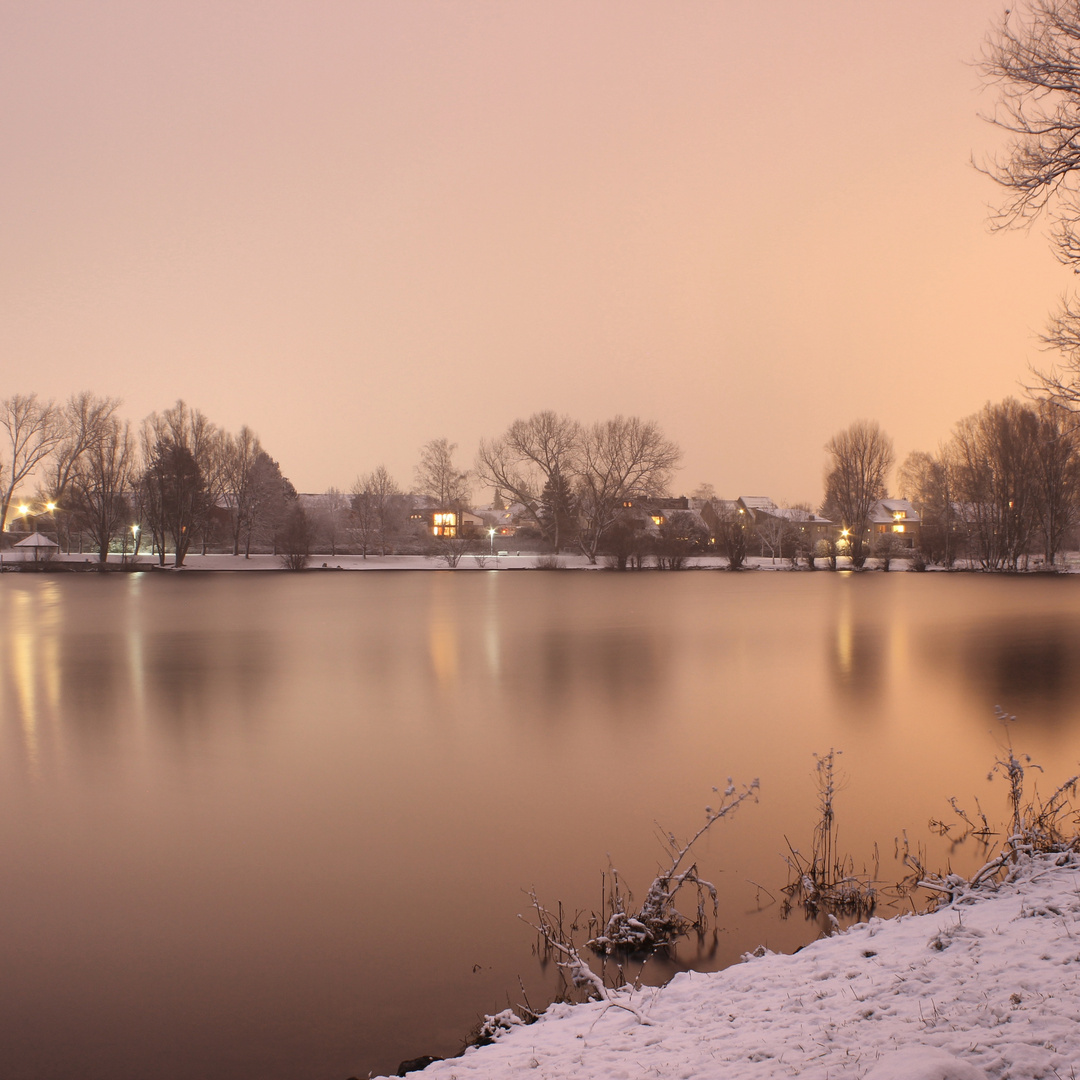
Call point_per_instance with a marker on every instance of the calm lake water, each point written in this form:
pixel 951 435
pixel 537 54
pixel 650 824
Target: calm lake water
pixel 278 826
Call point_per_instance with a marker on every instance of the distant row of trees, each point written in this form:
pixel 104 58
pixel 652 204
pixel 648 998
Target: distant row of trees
pixel 1006 484
pixel 171 476
pixel 572 480
pixel 1007 480
pixel 186 482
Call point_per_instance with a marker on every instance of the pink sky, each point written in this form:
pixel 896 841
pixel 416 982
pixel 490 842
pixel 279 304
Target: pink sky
pixel 357 226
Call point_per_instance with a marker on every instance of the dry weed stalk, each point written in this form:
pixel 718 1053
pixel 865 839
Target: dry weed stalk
pixel 826 880
pixel 1036 827
pixel 658 924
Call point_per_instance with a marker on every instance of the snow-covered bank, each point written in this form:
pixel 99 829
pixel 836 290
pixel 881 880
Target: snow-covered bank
pixel 987 987
pixel 513 560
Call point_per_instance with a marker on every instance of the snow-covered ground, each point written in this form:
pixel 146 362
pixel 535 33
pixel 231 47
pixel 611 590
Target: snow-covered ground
pixel 986 987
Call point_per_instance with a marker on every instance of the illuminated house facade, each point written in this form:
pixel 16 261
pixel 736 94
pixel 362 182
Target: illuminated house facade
pixel 448 524
pixel 896 518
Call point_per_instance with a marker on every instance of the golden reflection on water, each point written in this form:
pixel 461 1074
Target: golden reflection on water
pixel 34 618
pixel 443 634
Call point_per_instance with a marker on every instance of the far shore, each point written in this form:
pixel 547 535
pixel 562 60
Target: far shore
pixel 507 560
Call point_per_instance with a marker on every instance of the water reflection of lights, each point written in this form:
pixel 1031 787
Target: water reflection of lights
pixel 34 618
pixel 442 637
pixel 493 627
pixel 135 658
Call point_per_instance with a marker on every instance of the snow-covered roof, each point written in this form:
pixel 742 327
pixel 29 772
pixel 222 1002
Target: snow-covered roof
pixel 37 540
pixel 758 502
pixel 790 513
pixel 885 511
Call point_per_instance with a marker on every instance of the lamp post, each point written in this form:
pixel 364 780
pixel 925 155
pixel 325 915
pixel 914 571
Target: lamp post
pixel 491 537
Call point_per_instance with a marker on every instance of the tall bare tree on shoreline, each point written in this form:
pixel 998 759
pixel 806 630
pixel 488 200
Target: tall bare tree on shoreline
pixel 438 477
pixel 542 452
pixel 621 459
pixel 862 456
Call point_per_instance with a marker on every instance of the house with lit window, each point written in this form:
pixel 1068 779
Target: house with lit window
pixel 448 524
pixel 654 511
pixel 896 518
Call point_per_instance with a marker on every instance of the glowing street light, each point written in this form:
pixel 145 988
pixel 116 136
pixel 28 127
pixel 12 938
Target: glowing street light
pixel 491 537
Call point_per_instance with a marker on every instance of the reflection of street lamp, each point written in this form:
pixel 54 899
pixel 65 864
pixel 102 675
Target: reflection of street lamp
pixel 491 537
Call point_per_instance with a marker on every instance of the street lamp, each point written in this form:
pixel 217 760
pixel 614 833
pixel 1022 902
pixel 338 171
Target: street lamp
pixel 491 537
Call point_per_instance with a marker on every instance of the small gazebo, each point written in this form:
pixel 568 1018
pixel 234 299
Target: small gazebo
pixel 40 545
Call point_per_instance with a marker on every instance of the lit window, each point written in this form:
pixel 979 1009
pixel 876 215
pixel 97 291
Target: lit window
pixel 658 519
pixel 898 528
pixel 444 524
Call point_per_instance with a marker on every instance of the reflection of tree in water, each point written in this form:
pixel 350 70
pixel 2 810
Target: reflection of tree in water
pixel 1029 666
pixel 1022 665
pixel 94 685
pixel 195 678
pixel 624 668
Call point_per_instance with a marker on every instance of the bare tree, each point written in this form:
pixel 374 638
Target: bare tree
pixel 1057 449
pixel 926 480
pixel 189 429
pixel 438 477
pixel 528 459
pixel 1032 56
pixel 996 469
pixel 621 459
pixel 377 509
pixel 862 456
pixel 774 531
pixel 330 520
pixel 239 454
pixel 102 475
pixel 84 420
pixel 33 431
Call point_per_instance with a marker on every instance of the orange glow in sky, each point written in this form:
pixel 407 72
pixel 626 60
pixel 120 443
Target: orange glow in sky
pixel 356 227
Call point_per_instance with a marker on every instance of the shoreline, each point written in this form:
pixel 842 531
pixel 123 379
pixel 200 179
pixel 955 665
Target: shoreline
pixel 218 563
pixel 987 985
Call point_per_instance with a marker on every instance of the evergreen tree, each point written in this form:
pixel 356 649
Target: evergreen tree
pixel 557 511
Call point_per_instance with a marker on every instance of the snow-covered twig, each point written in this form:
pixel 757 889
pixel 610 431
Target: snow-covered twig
pixel 572 962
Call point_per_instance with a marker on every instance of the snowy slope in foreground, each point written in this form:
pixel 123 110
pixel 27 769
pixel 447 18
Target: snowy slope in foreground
pixel 988 987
